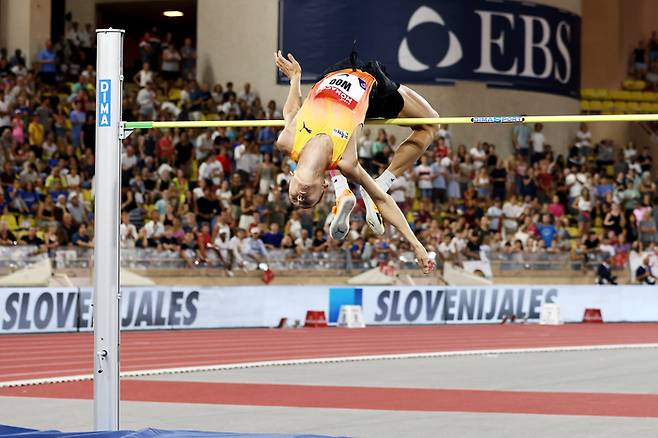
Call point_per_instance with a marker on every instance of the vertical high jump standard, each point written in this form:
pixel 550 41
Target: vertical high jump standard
pixel 109 83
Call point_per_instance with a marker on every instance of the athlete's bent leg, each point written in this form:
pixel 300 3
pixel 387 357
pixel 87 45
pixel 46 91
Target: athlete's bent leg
pixel 421 136
pixel 407 154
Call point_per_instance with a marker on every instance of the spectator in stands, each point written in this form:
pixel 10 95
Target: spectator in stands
pixel 604 272
pixel 248 95
pixel 51 240
pixel 207 206
pixel 189 249
pixel 46 61
pixel 272 111
pixel 154 228
pixel 78 118
pixel 629 196
pixel 237 247
pixel 590 243
pixel 614 221
pixel 494 215
pixel 144 76
pixel 423 176
pixel 17 58
pixel 498 179
pixel 273 237
pixel 303 243
pixel 653 47
pixel 7 238
pixel 512 211
pixel 254 248
pixel 127 232
pixel 76 208
pixel 19 69
pixel 645 160
pixel 583 206
pixel 521 139
pixel 168 241
pixel 643 274
pixel 146 99
pixel 204 241
pixel 320 243
pixel 81 239
pixel 639 60
pixel 31 238
pixel 171 62
pixel 583 139
pixel 555 208
pixel 547 231
pixel 66 229
pixel 538 141
pixel 647 229
pixel 478 155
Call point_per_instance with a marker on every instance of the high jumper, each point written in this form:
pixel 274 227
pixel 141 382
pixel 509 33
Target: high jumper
pixel 320 134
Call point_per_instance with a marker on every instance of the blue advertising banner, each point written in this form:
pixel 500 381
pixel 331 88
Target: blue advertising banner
pixel 504 43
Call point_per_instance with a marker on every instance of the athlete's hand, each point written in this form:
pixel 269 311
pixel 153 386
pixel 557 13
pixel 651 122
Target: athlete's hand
pixel 288 66
pixel 424 261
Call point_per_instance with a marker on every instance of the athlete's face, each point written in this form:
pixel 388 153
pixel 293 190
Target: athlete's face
pixel 306 195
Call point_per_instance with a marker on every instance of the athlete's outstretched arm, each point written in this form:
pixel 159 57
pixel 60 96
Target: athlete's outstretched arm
pixel 291 68
pixel 391 213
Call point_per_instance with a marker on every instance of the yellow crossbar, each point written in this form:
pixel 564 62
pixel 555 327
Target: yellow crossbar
pixel 579 118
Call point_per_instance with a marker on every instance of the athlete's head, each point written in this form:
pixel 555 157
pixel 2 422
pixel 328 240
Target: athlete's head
pixel 308 184
pixel 306 193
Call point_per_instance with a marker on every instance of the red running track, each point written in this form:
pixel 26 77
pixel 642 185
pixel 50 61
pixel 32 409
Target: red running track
pixel 57 355
pixel 350 397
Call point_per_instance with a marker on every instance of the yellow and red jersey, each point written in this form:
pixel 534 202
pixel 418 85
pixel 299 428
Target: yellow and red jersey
pixel 335 106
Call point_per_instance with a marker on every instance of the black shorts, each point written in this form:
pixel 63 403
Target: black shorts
pixel 385 99
pixel 387 106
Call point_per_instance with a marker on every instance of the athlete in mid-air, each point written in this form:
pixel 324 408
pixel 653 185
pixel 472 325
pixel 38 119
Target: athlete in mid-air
pixel 321 134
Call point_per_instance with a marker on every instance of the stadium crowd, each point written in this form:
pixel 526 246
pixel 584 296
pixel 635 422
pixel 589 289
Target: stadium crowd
pixel 643 63
pixel 218 197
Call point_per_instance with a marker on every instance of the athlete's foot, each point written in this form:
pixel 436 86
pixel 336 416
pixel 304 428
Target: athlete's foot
pixel 340 225
pixel 373 217
pixel 425 262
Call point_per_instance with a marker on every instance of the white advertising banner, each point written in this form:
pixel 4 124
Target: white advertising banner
pixel 158 307
pixel 617 303
pixel 260 306
pixel 24 310
pixel 490 304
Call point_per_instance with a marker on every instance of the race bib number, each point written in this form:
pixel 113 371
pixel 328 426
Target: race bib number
pixel 343 87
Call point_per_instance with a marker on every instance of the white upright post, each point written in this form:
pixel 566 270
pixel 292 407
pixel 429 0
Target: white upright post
pixel 109 83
